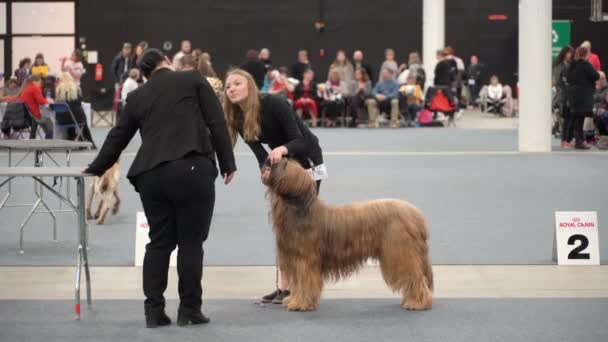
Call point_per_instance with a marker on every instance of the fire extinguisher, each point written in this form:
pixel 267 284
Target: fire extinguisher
pixel 98 72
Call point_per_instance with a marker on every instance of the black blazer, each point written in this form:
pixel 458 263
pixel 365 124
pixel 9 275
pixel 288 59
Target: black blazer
pixel 281 126
pixel 176 113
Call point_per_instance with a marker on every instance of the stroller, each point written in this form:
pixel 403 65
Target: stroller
pixel 442 102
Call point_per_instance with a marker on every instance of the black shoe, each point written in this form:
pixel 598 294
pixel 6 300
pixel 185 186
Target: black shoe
pixel 282 295
pixel 157 320
pixel 191 317
pixel 270 297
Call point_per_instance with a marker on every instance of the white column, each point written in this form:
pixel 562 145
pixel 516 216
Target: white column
pixel 433 35
pixel 535 75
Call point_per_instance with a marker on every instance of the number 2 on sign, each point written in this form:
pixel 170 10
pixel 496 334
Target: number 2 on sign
pixel 576 253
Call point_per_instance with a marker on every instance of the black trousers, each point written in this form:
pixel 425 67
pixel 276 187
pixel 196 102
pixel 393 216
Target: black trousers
pixel 178 199
pixel 568 127
pixel 577 128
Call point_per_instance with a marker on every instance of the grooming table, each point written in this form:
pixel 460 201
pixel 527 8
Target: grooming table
pixel 39 148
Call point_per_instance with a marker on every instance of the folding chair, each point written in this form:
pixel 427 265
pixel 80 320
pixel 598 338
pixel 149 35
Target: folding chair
pixel 16 120
pixel 64 118
pixel 102 104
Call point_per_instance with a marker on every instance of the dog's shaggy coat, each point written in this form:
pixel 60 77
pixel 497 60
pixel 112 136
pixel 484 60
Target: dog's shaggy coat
pixel 105 187
pixel 318 242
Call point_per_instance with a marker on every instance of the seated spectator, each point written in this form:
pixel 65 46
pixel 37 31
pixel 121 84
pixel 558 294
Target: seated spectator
pixel 40 68
pixel 69 92
pixel 495 96
pixel 31 95
pixel 410 100
pixel 305 97
pixel 265 58
pixel 281 85
pixel 359 62
pixel 24 72
pixel 11 89
pixel 361 90
pixel 385 97
pixel 187 63
pixel 601 111
pixel 185 49
pixel 333 94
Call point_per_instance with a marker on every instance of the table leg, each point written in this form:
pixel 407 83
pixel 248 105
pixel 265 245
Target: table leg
pixel 27 218
pixel 82 223
pixel 78 270
pixel 10 164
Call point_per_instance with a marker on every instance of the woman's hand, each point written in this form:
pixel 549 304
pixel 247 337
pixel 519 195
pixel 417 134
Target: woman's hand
pixel 228 177
pixel 277 154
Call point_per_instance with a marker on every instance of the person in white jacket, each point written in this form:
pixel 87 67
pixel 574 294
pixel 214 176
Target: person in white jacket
pixel 495 95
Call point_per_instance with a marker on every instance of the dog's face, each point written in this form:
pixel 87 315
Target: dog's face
pixel 290 180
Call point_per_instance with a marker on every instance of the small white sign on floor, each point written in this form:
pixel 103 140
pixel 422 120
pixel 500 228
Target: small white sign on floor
pixel 142 239
pixel 576 234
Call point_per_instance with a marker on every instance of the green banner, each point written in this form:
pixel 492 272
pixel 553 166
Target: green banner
pixel 560 35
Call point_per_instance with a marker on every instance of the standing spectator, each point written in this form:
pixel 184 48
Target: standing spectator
pixel 361 90
pixel 581 76
pixel 24 71
pixel 265 58
pixel 254 66
pixel 305 96
pixel 594 59
pixel 385 97
pixel 40 68
pixel 69 92
pixel 416 69
pixel 74 66
pixel 560 66
pixel 359 62
pixel 31 95
pixel 474 79
pixel 333 93
pixel 389 63
pixel 344 68
pixel 208 73
pixel 139 51
pixel 458 75
pixel 445 70
pixel 601 107
pixel 187 63
pixel 298 69
pixel 186 49
pixel 122 63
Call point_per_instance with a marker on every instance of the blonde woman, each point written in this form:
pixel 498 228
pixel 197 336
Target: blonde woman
pixel 270 120
pixel 69 92
pixel 204 67
pixel 344 68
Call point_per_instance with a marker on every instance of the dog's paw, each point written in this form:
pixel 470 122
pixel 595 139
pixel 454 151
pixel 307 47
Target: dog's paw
pixel 286 300
pixel 101 221
pixel 416 306
pixel 115 210
pixel 89 216
pixel 294 306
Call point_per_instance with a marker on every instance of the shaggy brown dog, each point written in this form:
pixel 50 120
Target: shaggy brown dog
pixel 105 187
pixel 317 242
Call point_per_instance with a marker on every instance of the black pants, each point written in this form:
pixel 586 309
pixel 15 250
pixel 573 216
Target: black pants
pixel 568 127
pixel 178 199
pixel 86 134
pixel 577 128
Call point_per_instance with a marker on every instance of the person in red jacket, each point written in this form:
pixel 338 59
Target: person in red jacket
pixel 31 95
pixel 594 59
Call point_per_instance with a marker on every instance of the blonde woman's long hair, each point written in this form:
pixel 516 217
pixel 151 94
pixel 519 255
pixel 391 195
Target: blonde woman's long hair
pixel 67 90
pixel 247 122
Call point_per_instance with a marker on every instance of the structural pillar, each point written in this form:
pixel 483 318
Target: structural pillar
pixel 433 35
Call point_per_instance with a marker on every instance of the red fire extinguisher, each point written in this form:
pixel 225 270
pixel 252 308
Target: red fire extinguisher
pixel 98 72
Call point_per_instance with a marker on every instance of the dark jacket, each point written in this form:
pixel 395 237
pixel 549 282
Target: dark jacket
pixel 368 68
pixel 15 118
pixel 581 78
pixel 176 113
pixel 256 68
pixel 118 67
pixel 445 72
pixel 297 70
pixel 281 126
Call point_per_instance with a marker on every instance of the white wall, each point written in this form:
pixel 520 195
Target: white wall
pixel 3 18
pixel 53 48
pixel 43 18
